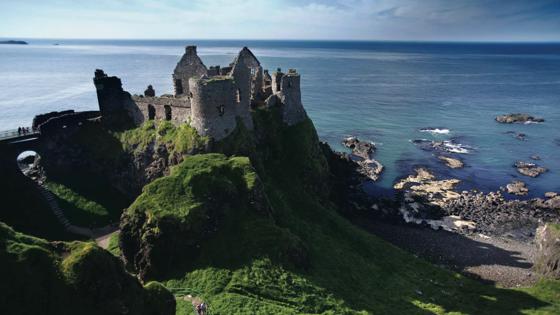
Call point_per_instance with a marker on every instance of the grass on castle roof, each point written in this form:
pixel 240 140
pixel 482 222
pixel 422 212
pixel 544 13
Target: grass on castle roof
pixel 351 271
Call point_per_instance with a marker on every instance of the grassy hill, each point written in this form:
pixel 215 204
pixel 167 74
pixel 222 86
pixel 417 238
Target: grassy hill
pixel 238 260
pixel 250 229
pixel 41 277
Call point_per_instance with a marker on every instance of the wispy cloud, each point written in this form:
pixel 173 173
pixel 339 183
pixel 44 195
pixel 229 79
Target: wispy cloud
pixel 294 19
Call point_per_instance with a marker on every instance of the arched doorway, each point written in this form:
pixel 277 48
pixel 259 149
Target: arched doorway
pixel 167 109
pixel 151 112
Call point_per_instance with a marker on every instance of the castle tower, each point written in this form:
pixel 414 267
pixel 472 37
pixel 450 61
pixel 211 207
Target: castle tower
pixel 290 97
pixel 241 74
pixel 213 106
pixel 190 66
pixel 247 57
pixel 276 80
pixel 111 98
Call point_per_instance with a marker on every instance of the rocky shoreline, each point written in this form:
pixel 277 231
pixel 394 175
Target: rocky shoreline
pixel 435 202
pixel 362 154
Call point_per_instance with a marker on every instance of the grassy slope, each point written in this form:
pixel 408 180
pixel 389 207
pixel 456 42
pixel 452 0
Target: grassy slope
pixel 350 270
pixel 23 207
pixel 39 277
pixel 180 139
pixel 88 199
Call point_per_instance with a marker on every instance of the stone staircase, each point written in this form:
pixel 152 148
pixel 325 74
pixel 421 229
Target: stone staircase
pixel 53 204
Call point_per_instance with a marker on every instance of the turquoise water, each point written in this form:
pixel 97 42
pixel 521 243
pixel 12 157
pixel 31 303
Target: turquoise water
pixel 379 91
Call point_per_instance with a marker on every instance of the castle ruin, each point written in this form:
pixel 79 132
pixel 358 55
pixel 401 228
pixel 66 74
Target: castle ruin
pixel 212 100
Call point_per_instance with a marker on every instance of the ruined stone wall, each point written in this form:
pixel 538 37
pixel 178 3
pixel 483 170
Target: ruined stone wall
pixel 247 58
pixel 116 106
pixel 213 106
pixel 290 97
pixel 241 74
pixel 190 66
pixel 277 80
pixel 42 118
pixel 177 109
pixel 66 121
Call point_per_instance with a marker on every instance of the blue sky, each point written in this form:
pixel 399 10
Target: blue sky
pixel 461 20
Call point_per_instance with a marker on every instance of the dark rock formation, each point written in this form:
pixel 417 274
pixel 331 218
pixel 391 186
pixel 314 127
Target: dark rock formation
pixel 550 194
pixel 426 198
pixel 517 135
pixel 363 152
pixel 13 42
pixel 547 261
pixel 451 162
pixel 359 148
pixel 517 188
pixel 529 169
pixel 518 118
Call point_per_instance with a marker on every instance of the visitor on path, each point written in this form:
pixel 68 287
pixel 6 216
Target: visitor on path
pixel 19 130
pixel 201 308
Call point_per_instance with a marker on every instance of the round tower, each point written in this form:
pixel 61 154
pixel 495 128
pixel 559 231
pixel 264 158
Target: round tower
pixel 213 106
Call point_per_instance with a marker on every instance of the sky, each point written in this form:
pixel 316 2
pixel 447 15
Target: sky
pixel 431 20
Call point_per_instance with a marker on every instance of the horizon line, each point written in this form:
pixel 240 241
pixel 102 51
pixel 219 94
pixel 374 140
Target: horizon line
pixel 297 40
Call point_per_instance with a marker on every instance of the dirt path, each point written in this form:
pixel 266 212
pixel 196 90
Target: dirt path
pixel 103 240
pixel 501 261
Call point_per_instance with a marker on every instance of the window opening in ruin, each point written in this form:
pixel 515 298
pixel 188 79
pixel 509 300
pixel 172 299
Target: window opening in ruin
pixel 167 112
pixel 289 84
pixel 221 110
pixel 253 71
pixel 238 95
pixel 151 112
pixel 178 86
pixel 26 159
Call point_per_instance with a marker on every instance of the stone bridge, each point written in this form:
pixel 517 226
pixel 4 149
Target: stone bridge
pixel 13 143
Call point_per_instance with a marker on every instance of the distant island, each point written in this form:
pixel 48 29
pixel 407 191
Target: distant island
pixel 13 42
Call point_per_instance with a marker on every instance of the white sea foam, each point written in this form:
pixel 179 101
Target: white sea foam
pixel 452 147
pixel 442 131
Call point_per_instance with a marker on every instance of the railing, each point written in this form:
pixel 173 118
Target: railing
pixel 14 133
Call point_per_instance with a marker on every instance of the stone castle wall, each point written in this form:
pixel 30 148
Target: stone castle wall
pixel 213 106
pixel 177 110
pixel 290 97
pixel 188 67
pixel 211 100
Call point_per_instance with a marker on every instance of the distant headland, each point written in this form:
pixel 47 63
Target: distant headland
pixel 13 42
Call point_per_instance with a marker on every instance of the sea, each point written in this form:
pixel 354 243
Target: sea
pixel 398 95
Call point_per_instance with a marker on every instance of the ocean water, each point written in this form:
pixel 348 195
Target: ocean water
pixel 385 92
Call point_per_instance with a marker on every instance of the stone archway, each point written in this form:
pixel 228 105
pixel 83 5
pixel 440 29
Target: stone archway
pixel 167 109
pixel 151 112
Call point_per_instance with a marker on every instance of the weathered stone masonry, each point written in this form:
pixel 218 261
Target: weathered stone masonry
pixel 210 100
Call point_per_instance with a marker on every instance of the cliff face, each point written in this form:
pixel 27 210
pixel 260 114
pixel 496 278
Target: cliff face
pixel 129 159
pixel 205 198
pixel 40 277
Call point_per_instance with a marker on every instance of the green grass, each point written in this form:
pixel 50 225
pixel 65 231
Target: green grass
pixel 23 207
pixel 113 247
pixel 87 199
pixel 39 277
pixel 181 139
pixel 244 266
